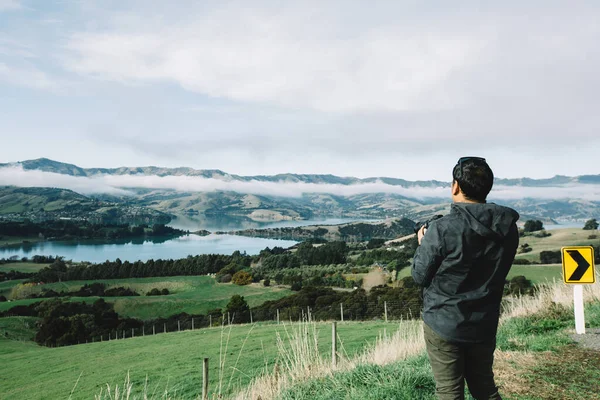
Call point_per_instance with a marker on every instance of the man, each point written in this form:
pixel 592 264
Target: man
pixel 462 262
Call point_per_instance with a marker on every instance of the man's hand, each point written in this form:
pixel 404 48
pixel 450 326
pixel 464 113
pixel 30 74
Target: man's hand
pixel 421 233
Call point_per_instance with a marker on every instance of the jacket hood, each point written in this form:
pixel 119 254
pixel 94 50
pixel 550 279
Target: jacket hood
pixel 487 219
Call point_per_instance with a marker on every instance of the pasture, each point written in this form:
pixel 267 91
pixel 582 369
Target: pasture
pixel 558 239
pixel 22 267
pixel 189 294
pixel 171 361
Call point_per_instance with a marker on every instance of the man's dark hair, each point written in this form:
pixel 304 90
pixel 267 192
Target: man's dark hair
pixel 475 178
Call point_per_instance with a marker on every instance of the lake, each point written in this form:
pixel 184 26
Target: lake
pixel 165 248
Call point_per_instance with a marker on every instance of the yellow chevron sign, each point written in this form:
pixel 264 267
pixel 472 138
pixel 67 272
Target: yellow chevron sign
pixel 578 264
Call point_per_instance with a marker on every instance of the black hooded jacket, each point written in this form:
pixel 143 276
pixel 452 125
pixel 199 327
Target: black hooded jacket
pixel 462 264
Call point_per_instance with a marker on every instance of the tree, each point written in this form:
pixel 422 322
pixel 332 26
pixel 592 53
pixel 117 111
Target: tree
pixel 241 278
pixel 238 309
pixel 533 226
pixel 550 257
pixel 267 282
pixel 591 225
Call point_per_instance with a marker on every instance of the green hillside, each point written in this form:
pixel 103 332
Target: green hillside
pixel 170 361
pixel 20 200
pixel 557 239
pixel 189 294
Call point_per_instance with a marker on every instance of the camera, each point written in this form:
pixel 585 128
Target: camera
pixel 420 224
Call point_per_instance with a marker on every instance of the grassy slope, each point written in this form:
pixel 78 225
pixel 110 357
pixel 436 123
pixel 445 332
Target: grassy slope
pixel 542 273
pixel 172 359
pixel 190 294
pixel 543 338
pixel 558 239
pixel 22 267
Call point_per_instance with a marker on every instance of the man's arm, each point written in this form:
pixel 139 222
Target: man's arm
pixel 428 256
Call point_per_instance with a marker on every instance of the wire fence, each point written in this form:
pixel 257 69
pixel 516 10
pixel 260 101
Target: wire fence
pixel 384 310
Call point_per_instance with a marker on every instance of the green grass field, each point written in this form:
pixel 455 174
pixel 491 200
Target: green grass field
pixel 172 360
pixel 190 294
pixel 22 267
pixel 535 273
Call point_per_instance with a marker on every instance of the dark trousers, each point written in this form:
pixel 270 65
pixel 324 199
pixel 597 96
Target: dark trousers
pixel 453 363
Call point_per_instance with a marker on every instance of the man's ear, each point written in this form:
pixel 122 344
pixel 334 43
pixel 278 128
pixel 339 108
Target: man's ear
pixel 455 188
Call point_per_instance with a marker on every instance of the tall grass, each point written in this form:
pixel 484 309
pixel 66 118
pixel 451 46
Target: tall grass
pixel 300 359
pixel 301 363
pixel 305 362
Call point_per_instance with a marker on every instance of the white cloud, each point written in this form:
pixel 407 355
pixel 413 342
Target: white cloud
pixel 257 55
pixel 28 76
pixel 118 185
pixel 9 5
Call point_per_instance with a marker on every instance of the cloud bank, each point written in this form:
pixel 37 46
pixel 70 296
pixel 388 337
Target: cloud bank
pixel 119 185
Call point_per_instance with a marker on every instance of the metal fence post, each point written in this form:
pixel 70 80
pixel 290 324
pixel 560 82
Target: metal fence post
pixel 192 323
pixel 333 344
pixel 278 316
pixel 205 379
pixel 342 311
pixel 385 310
pixel 178 326
pixel 165 328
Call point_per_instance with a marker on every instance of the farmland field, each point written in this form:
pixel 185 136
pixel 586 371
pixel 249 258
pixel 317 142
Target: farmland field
pixel 190 294
pixel 536 273
pixel 558 239
pixel 22 267
pixel 171 360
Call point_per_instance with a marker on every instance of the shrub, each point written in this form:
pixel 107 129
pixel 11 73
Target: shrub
pixel 519 285
pixel 542 234
pixel 238 309
pixel 224 278
pixel 120 291
pixel 550 257
pixel 375 243
pixel 267 282
pixel 241 278
pixel 521 261
pixel 593 237
pixel 296 286
pixel 524 248
pixel 591 225
pixel 2 299
pixel 164 292
pixel 153 292
pixel 533 226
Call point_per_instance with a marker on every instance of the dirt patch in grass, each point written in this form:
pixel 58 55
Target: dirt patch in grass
pixel 571 373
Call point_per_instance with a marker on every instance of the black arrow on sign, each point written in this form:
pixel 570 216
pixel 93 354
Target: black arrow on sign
pixel 582 265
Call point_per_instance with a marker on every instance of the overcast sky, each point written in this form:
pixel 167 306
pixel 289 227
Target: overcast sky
pixel 378 88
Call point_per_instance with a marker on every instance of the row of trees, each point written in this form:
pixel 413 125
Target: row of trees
pixel 65 229
pixel 192 265
pixel 66 323
pixel 536 225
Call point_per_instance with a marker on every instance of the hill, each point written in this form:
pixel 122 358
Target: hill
pixel 40 204
pixel 189 294
pixel 257 197
pixel 353 231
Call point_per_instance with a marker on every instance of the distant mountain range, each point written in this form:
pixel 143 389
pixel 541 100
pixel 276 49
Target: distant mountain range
pixel 308 205
pixel 47 165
